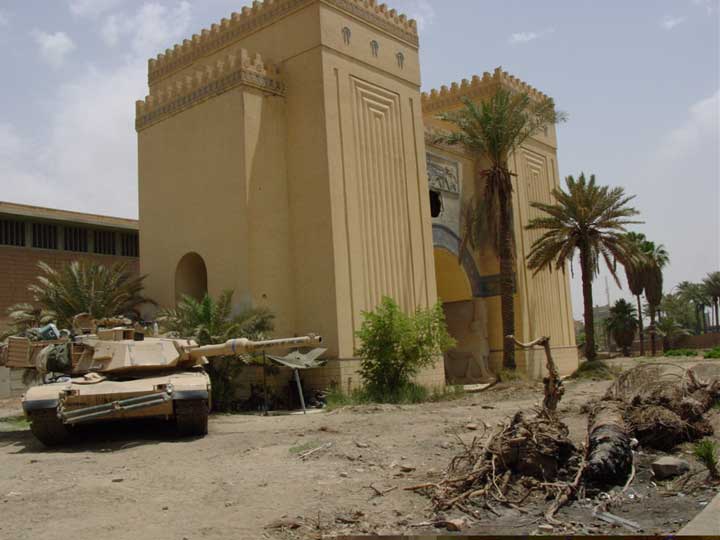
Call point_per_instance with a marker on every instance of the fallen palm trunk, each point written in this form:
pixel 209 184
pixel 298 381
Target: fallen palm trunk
pixel 610 456
pixel 666 404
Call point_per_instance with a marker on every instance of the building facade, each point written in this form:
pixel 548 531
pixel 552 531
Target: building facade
pixel 282 154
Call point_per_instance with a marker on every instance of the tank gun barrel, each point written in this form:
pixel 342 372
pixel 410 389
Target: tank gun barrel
pixel 233 347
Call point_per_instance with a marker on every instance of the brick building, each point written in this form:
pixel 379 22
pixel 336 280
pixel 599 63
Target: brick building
pixel 30 234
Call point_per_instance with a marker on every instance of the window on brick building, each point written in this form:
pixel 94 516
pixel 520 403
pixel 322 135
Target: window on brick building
pixel 44 236
pixel 12 232
pixel 104 242
pixel 129 245
pixel 75 239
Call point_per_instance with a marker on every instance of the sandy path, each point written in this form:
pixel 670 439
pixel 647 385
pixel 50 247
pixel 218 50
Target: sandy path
pixel 136 481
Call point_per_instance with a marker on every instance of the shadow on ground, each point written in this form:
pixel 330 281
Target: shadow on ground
pixel 101 438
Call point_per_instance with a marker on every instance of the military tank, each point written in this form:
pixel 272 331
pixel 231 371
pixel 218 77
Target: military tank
pixel 119 373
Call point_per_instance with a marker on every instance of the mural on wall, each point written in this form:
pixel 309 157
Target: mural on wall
pixel 443 174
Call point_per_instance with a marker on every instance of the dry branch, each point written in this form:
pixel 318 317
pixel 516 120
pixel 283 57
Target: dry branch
pixel 553 385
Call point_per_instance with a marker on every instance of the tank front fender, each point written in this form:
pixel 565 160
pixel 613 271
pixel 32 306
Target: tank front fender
pixel 35 404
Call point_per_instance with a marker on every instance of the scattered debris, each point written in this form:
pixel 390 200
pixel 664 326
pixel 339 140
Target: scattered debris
pixel 304 455
pixel 382 492
pixel 284 523
pixel 617 520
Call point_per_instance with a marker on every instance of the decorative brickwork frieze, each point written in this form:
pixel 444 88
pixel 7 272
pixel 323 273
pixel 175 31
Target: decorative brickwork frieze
pixel 477 87
pixel 261 14
pixel 235 69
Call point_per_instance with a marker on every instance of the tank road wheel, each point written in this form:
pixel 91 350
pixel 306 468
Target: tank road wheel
pixel 48 428
pixel 191 417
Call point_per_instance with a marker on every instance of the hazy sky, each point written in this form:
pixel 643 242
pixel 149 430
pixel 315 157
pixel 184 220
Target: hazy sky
pixel 638 78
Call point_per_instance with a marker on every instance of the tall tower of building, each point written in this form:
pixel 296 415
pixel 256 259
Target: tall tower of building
pixel 282 155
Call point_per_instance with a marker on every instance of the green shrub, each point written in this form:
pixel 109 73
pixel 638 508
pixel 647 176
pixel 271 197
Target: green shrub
pixel 395 346
pixel 681 352
pixel 713 354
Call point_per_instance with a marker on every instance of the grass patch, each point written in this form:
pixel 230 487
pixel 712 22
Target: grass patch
pixel 712 354
pixel 682 352
pixel 447 393
pixel 14 423
pixel 706 452
pixel 512 375
pixel 406 395
pixel 595 370
pixel 304 447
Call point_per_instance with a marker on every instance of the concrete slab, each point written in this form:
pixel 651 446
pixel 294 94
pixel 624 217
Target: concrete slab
pixel 706 523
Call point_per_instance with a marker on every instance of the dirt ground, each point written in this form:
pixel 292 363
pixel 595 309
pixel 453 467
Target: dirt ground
pixel 247 478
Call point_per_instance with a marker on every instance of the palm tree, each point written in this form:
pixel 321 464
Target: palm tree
pixel 622 324
pixel 634 272
pixel 590 219
pixel 210 321
pixel 712 288
pixel 87 287
pixel 657 258
pixel 492 131
pixel 22 317
pixel 696 294
pixel 670 330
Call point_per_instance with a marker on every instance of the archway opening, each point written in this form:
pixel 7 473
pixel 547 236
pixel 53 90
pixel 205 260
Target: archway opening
pixel 191 277
pixel 465 319
pixel 453 284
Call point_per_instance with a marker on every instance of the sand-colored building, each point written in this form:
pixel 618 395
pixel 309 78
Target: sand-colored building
pixel 283 154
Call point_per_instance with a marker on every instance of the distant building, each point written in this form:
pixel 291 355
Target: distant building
pixel 30 234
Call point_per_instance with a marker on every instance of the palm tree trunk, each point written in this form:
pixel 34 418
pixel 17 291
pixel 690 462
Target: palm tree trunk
pixel 587 277
pixel 652 331
pixel 640 330
pixel 717 324
pixel 507 282
pixel 698 325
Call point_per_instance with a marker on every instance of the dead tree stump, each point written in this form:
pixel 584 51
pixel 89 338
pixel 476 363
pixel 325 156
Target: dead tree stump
pixel 553 385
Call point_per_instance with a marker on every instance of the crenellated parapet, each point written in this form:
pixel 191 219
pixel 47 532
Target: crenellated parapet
pixel 261 14
pixel 237 68
pixel 477 87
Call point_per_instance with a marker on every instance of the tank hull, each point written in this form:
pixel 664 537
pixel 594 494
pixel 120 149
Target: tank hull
pixel 55 409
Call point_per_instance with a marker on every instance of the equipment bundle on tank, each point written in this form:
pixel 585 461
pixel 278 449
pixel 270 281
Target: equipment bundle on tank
pixel 118 373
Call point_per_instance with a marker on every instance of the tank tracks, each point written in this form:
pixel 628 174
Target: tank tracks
pixel 191 417
pixel 48 428
pixel 191 420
